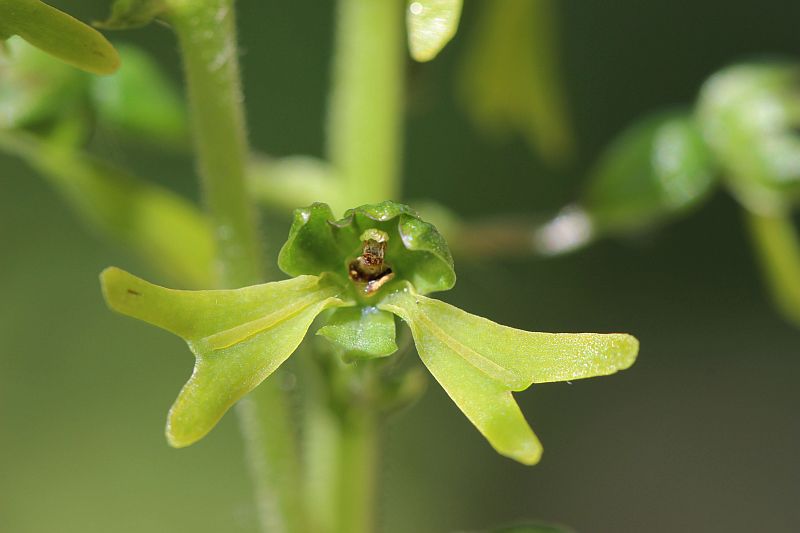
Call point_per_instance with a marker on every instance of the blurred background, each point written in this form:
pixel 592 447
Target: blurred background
pixel 699 435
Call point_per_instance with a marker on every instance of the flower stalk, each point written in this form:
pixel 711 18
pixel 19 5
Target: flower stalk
pixel 206 33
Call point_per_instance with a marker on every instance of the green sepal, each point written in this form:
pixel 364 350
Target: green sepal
pixel 141 101
pixel 416 251
pixel 127 14
pixel 361 332
pixel 657 169
pixel 58 34
pixel 314 244
pixel 749 115
pixel 479 363
pixel 239 337
pixel 431 24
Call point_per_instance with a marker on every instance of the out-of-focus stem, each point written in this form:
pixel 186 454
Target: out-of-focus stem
pixel 358 457
pixel 778 246
pixel 207 35
pixel 365 120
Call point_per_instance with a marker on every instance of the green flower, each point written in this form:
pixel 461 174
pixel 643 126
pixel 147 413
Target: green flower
pixel 376 263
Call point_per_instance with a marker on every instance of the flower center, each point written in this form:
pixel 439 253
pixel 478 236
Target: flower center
pixel 369 270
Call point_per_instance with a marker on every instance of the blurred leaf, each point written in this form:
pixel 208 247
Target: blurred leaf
pixel 36 88
pixel 510 79
pixel 778 245
pixel 287 182
pixel 58 34
pixel 362 332
pixel 158 225
pixel 399 391
pixel 479 363
pixel 318 243
pixel 749 115
pixel 533 528
pixel 140 100
pixel 127 14
pixel 657 169
pixel 239 337
pixel 431 24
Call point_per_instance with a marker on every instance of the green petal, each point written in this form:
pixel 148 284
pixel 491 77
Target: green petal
pixel 362 332
pixel 58 34
pixel 479 363
pixel 431 24
pixel 416 251
pixel 239 337
pixel 655 170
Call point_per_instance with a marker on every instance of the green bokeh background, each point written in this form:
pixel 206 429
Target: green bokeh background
pixel 700 435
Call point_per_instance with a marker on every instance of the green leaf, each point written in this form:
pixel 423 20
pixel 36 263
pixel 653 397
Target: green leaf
pixel 431 24
pixel 749 115
pixel 127 14
pixel 239 337
pixel 479 363
pixel 58 34
pixel 362 332
pixel 141 101
pixel 416 251
pixel 510 78
pixel 657 169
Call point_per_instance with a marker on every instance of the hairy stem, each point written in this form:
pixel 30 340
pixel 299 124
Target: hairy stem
pixel 207 35
pixel 365 122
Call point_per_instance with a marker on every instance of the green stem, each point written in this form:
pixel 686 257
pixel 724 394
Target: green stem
pixel 778 246
pixel 365 121
pixel 207 35
pixel 358 456
pixel 364 144
pixel 341 444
